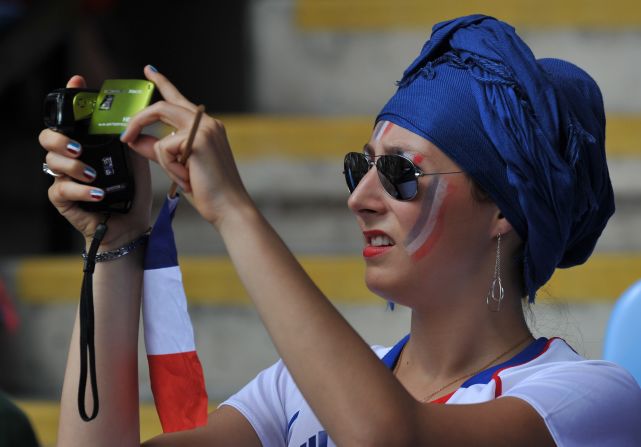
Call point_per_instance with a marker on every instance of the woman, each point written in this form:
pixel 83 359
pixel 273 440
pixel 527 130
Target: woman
pixel 485 171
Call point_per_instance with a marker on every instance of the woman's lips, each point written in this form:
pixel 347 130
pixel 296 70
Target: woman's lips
pixel 370 251
pixel 377 243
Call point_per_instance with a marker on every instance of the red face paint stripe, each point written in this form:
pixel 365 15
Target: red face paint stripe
pixel 434 237
pixel 436 232
pixel 418 159
pixel 420 228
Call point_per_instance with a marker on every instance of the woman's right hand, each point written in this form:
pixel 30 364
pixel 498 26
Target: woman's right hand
pixel 210 178
pixel 66 192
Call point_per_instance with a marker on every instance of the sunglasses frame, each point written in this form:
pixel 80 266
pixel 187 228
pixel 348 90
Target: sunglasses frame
pixel 372 161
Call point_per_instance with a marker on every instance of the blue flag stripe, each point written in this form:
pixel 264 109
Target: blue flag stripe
pixel 161 248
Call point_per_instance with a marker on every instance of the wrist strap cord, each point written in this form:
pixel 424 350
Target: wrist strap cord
pixel 87 329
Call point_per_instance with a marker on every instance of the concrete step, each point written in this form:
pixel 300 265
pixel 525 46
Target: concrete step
pixel 336 57
pixel 44 416
pixel 232 342
pixel 233 345
pixel 377 15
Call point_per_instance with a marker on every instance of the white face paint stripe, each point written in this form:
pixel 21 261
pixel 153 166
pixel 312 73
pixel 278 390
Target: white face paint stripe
pixel 380 130
pixel 414 245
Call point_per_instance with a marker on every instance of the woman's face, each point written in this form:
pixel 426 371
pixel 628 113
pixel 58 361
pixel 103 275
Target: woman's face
pixel 430 243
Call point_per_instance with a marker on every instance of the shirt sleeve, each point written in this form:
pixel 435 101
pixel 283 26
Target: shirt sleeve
pixel 262 403
pixel 585 403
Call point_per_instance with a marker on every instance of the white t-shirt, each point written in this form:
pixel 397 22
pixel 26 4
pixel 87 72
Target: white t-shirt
pixel 583 402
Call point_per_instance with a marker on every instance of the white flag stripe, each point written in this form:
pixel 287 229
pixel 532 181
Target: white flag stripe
pixel 168 327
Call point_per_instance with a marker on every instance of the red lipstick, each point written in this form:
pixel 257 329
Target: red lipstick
pixel 371 250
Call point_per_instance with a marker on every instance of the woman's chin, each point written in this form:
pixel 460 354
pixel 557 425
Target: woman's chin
pixel 382 285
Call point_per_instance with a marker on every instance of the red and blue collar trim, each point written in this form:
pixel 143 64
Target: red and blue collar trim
pixel 532 351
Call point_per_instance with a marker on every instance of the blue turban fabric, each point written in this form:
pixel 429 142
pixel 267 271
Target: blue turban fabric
pixel 530 132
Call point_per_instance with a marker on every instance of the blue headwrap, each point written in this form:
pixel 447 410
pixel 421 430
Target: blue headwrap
pixel 530 132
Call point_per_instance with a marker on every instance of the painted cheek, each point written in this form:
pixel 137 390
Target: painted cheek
pixel 429 225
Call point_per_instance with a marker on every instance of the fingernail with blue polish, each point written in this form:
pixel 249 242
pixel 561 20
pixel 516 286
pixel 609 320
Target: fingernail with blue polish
pixel 90 173
pixel 152 68
pixel 122 134
pixel 74 147
pixel 97 194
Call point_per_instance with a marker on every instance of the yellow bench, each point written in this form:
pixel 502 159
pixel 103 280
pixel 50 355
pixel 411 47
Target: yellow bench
pixel 377 15
pixel 212 280
pixel 44 417
pixel 255 136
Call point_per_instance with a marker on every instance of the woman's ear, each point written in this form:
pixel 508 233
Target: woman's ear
pixel 500 224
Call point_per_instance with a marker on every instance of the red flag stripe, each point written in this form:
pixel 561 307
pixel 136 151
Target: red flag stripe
pixel 179 391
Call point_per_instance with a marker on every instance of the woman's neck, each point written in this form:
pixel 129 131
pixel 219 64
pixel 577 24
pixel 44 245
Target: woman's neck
pixel 447 345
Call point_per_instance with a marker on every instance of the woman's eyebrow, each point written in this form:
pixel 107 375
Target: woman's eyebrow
pixel 395 149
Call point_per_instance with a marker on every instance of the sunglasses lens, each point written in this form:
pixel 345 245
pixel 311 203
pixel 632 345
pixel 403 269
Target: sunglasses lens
pixel 355 168
pixel 398 176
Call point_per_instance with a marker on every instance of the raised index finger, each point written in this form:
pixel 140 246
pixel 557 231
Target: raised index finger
pixel 168 91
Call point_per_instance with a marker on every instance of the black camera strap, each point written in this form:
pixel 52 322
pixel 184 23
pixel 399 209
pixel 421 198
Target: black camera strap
pixel 87 329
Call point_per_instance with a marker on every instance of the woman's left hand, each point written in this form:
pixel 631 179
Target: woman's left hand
pixel 210 178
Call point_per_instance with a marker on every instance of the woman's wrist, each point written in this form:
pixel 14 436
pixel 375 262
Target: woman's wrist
pixel 118 242
pixel 236 216
pixel 123 250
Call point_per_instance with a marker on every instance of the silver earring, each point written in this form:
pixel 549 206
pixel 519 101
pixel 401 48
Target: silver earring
pixel 495 295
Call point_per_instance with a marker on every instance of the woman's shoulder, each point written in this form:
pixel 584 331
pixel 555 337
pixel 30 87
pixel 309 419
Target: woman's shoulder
pixel 583 402
pixel 558 362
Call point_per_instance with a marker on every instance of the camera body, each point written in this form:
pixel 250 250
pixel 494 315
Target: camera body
pixel 95 119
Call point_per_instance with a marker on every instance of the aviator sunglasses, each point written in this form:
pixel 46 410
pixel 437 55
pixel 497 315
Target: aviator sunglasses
pixel 398 175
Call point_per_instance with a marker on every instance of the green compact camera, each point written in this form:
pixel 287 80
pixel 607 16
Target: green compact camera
pixel 96 118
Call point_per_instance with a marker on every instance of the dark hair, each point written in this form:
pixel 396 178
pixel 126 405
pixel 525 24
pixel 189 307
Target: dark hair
pixel 478 193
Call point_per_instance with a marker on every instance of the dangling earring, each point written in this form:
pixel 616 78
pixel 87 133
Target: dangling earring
pixel 495 295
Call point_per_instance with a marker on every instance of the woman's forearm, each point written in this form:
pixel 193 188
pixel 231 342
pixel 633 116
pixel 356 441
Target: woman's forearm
pixel 117 290
pixel 345 392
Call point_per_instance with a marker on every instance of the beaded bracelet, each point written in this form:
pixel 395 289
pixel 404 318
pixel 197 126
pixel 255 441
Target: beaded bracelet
pixel 112 255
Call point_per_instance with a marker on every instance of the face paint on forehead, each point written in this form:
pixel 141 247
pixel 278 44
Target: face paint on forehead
pixel 416 158
pixel 429 225
pixel 382 127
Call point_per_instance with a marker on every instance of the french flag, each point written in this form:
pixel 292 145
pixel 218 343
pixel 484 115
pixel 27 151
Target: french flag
pixel 177 381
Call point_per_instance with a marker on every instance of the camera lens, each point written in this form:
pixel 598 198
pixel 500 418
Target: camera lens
pixel 50 112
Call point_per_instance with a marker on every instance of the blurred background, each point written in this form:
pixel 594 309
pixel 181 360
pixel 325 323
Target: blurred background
pixel 298 83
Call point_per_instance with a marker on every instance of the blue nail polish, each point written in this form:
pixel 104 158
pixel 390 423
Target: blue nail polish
pixel 90 173
pixel 97 193
pixel 74 147
pixel 152 68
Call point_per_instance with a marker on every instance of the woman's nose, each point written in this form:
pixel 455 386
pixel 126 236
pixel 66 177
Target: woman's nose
pixel 368 196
